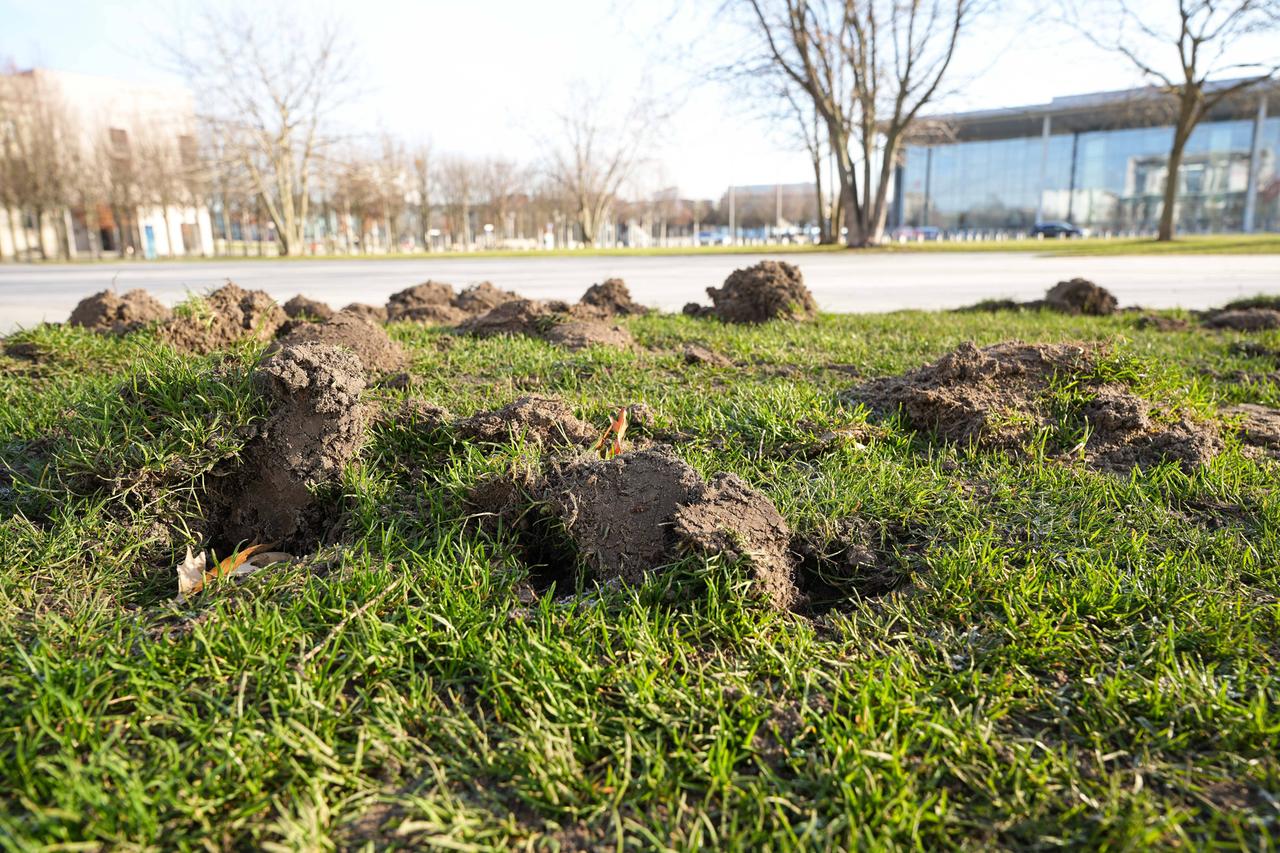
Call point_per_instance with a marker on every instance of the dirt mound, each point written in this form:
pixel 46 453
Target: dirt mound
pixel 999 306
pixel 377 352
pixel 546 421
pixel 482 297
pixel 628 515
pixel 580 334
pixel 372 313
pixel 1244 319
pixel 1003 396
pixel 698 354
pixel 1080 296
pixel 429 302
pixel 610 298
pixel 770 290
pixel 316 427
pixel 1259 425
pixel 224 317
pixel 1161 323
pixel 110 313
pixel 302 308
pixel 537 320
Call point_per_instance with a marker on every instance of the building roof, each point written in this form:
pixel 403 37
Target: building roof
pixel 1143 107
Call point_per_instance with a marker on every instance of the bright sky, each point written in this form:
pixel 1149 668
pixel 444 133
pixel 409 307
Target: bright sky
pixel 488 78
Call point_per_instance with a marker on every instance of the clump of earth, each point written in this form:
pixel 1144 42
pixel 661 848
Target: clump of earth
pixel 1080 296
pixel 316 427
pixel 540 420
pixel 535 319
pixel 1259 426
pixel 303 308
pixel 1161 323
pixel 372 313
pixel 610 298
pixel 377 352
pixel 436 302
pixel 110 313
pixel 770 290
pixel 1244 319
pixel 843 558
pixel 699 355
pixel 1002 396
pixel 228 315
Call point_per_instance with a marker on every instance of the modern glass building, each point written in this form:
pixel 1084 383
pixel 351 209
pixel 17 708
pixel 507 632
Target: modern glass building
pixel 1098 161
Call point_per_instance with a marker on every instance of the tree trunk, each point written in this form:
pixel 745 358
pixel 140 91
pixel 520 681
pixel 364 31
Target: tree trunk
pixel 13 231
pixel 1169 205
pixel 44 253
pixel 168 229
pixel 824 231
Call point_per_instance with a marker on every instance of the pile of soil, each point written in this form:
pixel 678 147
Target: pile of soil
pixel 770 290
pixel 109 313
pixel 372 313
pixel 435 302
pixel 224 317
pixel 1244 319
pixel 631 514
pixel 1259 426
pixel 610 298
pixel 545 421
pixel 1080 296
pixel 377 352
pixel 317 426
pixel 302 308
pixel 1161 323
pixel 482 297
pixel 539 320
pixel 1000 396
pixel 698 354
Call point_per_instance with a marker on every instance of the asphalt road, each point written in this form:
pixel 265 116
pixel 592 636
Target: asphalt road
pixel 840 282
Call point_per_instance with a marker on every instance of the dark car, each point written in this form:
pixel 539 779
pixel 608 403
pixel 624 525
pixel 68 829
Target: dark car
pixel 1056 229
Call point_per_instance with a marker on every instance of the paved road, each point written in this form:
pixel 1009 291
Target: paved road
pixel 840 282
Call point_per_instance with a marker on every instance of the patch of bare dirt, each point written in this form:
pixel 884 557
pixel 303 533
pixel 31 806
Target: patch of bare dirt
pixel 228 315
pixel 537 320
pixel 1244 319
pixel 109 313
pixel 482 297
pixel 847 558
pixel 427 302
pixel 700 355
pixel 1161 323
pixel 545 421
pixel 629 515
pixel 610 298
pixel 1080 296
pixel 372 313
pixel 770 290
pixel 1001 396
pixel 316 427
pixel 302 308
pixel 1259 425
pixel 377 352
pixel 580 334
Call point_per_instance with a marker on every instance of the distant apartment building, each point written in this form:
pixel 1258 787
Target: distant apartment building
pixel 94 166
pixel 1099 161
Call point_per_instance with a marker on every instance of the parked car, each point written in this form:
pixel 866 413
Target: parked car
pixel 1056 229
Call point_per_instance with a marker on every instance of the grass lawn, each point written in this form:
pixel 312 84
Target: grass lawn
pixel 1075 658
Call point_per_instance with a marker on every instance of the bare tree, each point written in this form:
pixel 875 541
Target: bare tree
pixel 269 86
pixel 1202 33
pixel 457 179
pixel 869 67
pixel 593 158
pixel 422 180
pixel 500 181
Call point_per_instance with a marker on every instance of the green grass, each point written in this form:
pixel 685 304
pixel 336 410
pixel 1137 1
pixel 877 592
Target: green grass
pixel 1215 244
pixel 1080 659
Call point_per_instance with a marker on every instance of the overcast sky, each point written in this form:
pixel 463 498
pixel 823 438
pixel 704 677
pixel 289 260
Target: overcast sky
pixel 488 78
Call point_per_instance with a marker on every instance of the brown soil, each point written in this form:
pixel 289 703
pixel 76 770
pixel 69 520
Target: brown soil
pixel 1245 319
pixel 698 354
pixel 610 298
pixel 999 396
pixel 482 297
pixel 844 559
pixel 1080 296
pixel 545 421
pixel 1161 323
pixel 110 313
pixel 535 319
pixel 372 313
pixel 227 315
pixel 377 352
pixel 1253 349
pixel 629 515
pixel 316 427
pixel 425 302
pixel 302 308
pixel 1259 427
pixel 770 290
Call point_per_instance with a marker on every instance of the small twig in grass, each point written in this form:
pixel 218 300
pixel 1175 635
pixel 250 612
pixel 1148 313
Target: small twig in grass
pixel 340 627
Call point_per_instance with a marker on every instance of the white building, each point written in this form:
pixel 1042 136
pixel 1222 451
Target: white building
pixel 126 182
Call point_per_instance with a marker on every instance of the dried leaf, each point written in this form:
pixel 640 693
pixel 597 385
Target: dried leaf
pixel 230 564
pixel 190 575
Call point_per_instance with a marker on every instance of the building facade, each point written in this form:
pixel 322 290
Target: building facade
pixel 1098 161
